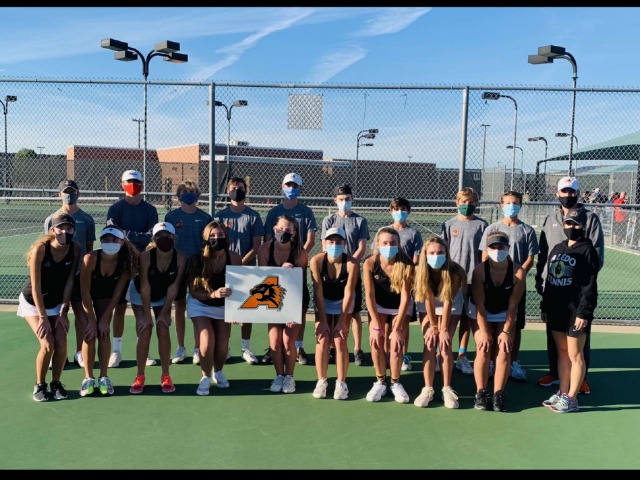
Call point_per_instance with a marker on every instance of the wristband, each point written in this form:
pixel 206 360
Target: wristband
pixel 504 331
pixel 64 309
pixel 377 329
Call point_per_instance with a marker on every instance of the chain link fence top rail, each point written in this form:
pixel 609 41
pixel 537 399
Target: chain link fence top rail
pixel 420 142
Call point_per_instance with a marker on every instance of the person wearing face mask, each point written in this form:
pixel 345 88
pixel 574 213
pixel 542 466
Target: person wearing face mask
pixel 189 221
pixel 205 303
pixel 569 297
pixel 103 276
pixel 552 234
pixel 246 230
pixel 388 279
pixel 439 284
pixel 410 244
pixel 160 270
pixel 85 234
pixel 463 234
pixel 285 250
pixel 44 301
pixel 291 206
pixel 523 246
pixel 497 287
pixel 136 217
pixel 334 274
pixel 356 228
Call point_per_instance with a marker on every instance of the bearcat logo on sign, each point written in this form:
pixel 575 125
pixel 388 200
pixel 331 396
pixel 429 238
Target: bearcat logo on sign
pixel 269 293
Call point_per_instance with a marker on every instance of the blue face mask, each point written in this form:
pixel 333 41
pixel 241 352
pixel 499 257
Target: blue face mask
pixel 400 215
pixel 345 206
pixel 436 261
pixel 334 250
pixel 511 210
pixel 291 193
pixel 388 251
pixel 188 198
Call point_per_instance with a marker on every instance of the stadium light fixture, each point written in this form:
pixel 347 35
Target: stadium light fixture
pixel 498 96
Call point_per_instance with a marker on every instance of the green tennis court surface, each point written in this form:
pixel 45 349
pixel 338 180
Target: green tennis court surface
pixel 248 427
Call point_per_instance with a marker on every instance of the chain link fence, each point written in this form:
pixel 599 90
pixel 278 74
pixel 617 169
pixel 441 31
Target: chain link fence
pixel 420 142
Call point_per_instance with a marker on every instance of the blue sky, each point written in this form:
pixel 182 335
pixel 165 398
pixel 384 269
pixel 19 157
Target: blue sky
pixel 457 45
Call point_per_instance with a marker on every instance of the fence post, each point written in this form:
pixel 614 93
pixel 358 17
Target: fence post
pixel 463 138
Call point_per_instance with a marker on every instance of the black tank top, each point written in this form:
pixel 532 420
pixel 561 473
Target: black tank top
pixel 159 281
pixel 333 288
pixel 103 286
pixel 496 299
pixel 272 260
pixel 382 283
pixel 217 281
pixel 53 277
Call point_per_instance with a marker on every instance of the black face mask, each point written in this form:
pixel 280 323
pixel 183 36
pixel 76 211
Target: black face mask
pixel 282 236
pixel 164 244
pixel 218 243
pixel 573 233
pixel 568 202
pixel 237 195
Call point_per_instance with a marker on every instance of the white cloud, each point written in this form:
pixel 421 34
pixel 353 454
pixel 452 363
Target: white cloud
pixel 333 63
pixel 391 20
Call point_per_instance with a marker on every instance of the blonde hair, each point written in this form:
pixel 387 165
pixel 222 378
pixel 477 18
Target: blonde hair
pixel 452 275
pixel 201 265
pixel 402 265
pixel 188 185
pixel 46 238
pixel 467 193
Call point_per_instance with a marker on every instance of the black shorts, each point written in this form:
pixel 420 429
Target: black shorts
pixel 182 288
pixel 305 298
pixel 357 304
pixel 123 297
pixel 565 325
pixel 620 230
pixel 522 312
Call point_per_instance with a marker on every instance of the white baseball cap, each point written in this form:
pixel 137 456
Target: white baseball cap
pixel 112 231
pixel 292 177
pixel 569 182
pixel 163 227
pixel 132 175
pixel 335 231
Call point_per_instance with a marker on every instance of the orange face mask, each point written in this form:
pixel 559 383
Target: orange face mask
pixel 133 188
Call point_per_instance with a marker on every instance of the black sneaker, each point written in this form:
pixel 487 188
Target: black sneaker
pixel 58 391
pixel 482 400
pixel 499 404
pixel 266 358
pixel 359 358
pixel 332 356
pixel 302 356
pixel 40 392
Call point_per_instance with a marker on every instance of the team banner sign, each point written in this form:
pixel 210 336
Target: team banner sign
pixel 263 294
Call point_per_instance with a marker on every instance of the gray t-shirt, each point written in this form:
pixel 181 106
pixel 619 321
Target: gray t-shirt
pixel 522 240
pixel 463 237
pixel 243 227
pixel 355 226
pixel 300 212
pixel 410 240
pixel 85 228
pixel 189 228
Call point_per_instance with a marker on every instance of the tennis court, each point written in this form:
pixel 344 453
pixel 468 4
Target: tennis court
pixel 248 427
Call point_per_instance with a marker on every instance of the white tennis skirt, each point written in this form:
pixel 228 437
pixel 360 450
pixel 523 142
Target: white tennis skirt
pixel 195 308
pixel 134 298
pixel 25 309
pixel 456 309
pixel 394 311
pixel 491 317
pixel 334 307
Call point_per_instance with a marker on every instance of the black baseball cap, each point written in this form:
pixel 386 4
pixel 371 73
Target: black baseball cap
pixel 62 219
pixel 64 184
pixel 497 238
pixel 577 216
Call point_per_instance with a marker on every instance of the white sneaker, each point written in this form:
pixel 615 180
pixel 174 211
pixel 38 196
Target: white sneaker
pixel 196 356
pixel 115 359
pixel 426 395
pixel 276 385
pixel 341 391
pixel 78 359
pixel 289 384
pixel 437 363
pixel 205 385
pixel 151 362
pixel 406 363
pixel 87 388
pixel 321 389
pixel 450 397
pixel 378 391
pixel 492 368
pixel 220 379
pixel 464 365
pixel 181 354
pixel 51 363
pixel 399 393
pixel 517 372
pixel 249 357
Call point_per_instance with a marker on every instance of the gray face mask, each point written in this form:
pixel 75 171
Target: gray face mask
pixel 69 198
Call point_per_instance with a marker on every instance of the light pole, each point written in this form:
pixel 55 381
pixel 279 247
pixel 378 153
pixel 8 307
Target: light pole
pixel 168 50
pixel 5 110
pixel 546 55
pixel 560 134
pixel 497 96
pixel 237 103
pixel 484 145
pixel 521 167
pixel 139 121
pixel 546 145
pixel 368 134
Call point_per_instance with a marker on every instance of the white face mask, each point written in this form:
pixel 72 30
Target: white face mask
pixel 345 206
pixel 111 248
pixel 498 255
